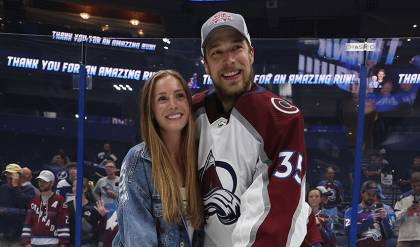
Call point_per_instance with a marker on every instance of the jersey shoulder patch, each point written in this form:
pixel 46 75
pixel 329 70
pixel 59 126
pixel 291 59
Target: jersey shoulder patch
pixel 198 100
pixel 284 106
pixel 268 104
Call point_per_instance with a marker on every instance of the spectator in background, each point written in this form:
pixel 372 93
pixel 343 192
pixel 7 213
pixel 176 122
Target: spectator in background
pixel 46 220
pixel 26 183
pixel 323 221
pixel 407 210
pixel 105 155
pixel 336 190
pixel 106 188
pixel 375 221
pixel 404 182
pixel 62 153
pixel 13 202
pixel 372 169
pixel 93 217
pixel 58 167
pixel 64 186
pixel 377 80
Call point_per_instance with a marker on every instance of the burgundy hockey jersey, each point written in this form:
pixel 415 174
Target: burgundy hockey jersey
pixel 46 223
pixel 252 166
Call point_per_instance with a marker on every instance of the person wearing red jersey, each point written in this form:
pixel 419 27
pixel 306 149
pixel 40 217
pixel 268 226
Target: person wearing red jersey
pixel 46 220
pixel 252 160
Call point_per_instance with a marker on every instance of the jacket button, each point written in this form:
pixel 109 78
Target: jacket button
pixel 181 244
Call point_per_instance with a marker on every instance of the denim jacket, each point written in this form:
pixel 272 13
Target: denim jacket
pixel 139 212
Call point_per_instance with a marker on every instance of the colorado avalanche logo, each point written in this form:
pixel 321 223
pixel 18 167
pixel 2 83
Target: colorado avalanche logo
pixel 374 233
pixel 284 106
pixel 218 200
pixel 61 175
pixel 221 17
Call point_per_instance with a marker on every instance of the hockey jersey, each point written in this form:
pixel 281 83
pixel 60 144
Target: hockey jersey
pixel 336 189
pixel 46 223
pixel 64 188
pixel 369 232
pixel 252 166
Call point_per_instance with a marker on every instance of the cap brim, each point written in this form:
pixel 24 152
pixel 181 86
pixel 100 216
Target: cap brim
pixel 204 43
pixel 44 179
pixel 6 171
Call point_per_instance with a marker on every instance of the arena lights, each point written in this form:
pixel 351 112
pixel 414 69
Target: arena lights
pixel 415 26
pixel 84 15
pixel 105 28
pixel 209 0
pixel 134 22
pixel 122 87
pixel 166 40
pixel 408 40
pixel 77 116
pixel 165 47
pixel 141 32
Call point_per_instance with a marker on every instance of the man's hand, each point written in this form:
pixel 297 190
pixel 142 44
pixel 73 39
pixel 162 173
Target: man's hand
pixel 100 208
pixel 415 206
pixel 379 214
pixel 111 194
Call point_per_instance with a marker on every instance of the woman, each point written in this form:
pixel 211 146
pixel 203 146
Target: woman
pixel 93 217
pixel 315 200
pixel 159 200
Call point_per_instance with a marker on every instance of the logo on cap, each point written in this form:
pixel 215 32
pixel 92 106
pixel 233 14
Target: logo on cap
pixel 221 17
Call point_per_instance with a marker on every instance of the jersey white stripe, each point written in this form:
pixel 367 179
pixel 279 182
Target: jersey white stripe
pixel 63 234
pixel 254 208
pixel 44 241
pixel 298 228
pixel 63 230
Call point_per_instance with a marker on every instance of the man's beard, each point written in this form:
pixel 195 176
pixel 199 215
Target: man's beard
pixel 245 86
pixel 369 202
pixel 44 189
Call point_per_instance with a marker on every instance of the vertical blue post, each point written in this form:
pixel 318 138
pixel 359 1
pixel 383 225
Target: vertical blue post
pixel 80 135
pixel 358 156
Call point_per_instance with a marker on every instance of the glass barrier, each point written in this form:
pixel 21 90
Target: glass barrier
pixel 391 137
pixel 39 80
pixel 38 113
pixel 320 76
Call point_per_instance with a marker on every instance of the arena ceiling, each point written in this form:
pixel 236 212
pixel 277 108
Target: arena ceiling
pixel 183 18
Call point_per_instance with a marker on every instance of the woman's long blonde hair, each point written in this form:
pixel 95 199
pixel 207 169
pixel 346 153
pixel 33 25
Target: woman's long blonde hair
pixel 165 176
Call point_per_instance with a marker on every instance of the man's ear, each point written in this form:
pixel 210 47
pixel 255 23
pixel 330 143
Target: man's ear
pixel 251 54
pixel 206 67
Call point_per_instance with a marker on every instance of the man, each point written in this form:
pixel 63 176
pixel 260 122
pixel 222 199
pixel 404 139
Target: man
pixel 58 166
pixel 26 180
pixel 336 192
pixel 373 168
pixel 408 214
pixel 105 155
pixel 64 186
pixel 375 221
pixel 252 160
pixel 404 182
pixel 106 188
pixel 46 221
pixel 13 202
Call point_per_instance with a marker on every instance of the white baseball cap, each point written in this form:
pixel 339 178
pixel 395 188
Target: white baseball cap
pixel 324 190
pixel 221 20
pixel 47 176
